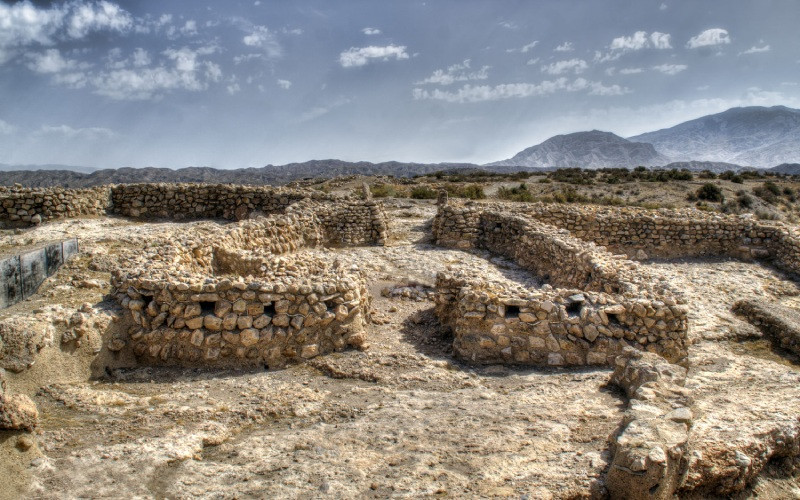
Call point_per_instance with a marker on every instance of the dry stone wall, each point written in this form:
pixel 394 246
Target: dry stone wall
pixel 22 207
pixel 601 304
pixel 250 294
pixel 675 233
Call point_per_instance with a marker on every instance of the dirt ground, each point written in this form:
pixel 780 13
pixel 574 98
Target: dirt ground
pixel 402 418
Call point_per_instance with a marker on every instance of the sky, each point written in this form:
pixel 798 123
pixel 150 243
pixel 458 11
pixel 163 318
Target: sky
pixel 230 84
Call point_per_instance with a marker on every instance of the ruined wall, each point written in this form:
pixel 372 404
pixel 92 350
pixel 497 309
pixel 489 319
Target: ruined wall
pixel 22 207
pixel 204 201
pixel 21 275
pixel 248 294
pixel 602 304
pixel 675 233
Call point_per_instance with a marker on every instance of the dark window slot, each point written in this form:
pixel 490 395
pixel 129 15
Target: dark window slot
pixel 207 307
pixel 512 311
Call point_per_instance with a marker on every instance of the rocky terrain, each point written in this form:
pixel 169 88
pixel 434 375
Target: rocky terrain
pixel 401 418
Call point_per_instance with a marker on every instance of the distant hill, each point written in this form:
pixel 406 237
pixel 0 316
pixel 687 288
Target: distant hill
pixel 755 135
pixel 271 174
pixel 4 167
pixel 593 149
pixel 787 168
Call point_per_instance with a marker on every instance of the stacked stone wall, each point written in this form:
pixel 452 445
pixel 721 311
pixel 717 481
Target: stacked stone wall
pixel 23 207
pixel 247 294
pixel 602 302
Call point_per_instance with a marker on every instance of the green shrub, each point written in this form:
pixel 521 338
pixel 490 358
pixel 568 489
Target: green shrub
pixel 383 191
pixel 519 193
pixel 710 192
pixel 472 192
pixel 423 193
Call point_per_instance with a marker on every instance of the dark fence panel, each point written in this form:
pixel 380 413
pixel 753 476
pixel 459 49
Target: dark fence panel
pixel 21 275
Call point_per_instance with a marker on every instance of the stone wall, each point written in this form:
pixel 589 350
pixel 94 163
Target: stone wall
pixel 23 207
pixel 251 294
pixel 205 201
pixel 671 233
pixel 601 304
pixel 780 323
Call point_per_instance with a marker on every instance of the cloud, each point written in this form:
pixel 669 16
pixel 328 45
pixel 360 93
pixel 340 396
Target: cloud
pixel 710 37
pixel 263 38
pixel 318 111
pixel 565 47
pixel 508 25
pixel 24 25
pixel 456 73
pixel 371 31
pixel 284 84
pixel 533 61
pixel 101 16
pixel 51 61
pixel 631 71
pixel 663 6
pixel 189 28
pixel 233 88
pixel 572 65
pixel 6 128
pixel 67 132
pixel 482 93
pixel 525 48
pixel 638 41
pixel 670 69
pixel 355 57
pixel 756 50
pixel 136 78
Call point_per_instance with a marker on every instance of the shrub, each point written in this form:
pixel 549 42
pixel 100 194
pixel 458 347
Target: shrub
pixel 471 191
pixel 519 193
pixel 383 191
pixel 423 193
pixel 744 199
pixel 710 192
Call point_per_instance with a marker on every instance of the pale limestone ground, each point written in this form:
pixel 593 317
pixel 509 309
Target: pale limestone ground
pixel 402 418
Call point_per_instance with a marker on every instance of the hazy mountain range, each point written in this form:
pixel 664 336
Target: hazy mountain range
pixel 732 140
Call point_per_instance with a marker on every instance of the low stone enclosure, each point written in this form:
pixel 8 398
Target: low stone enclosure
pixel 595 303
pixel 250 294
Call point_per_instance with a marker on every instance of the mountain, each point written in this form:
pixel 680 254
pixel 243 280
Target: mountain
pixel 754 135
pixel 4 167
pixel 271 174
pixel 593 149
pixel 787 168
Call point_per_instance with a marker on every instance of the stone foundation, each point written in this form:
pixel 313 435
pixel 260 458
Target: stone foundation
pixel 601 303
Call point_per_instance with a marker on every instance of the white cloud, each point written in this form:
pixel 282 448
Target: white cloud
pixel 284 84
pixel 525 48
pixel 533 61
pixel 261 37
pixel 247 57
pixel 663 6
pixel 371 31
pixel 710 37
pixel 471 94
pixel 50 61
pixel 560 67
pixel 319 111
pixel 630 71
pixel 670 69
pixel 508 25
pixel 456 73
pixel 6 128
pixel 136 78
pixel 354 56
pixel 233 88
pixel 140 57
pixel 104 15
pixel 756 50
pixel 24 24
pixel 190 27
pixel 565 47
pixel 67 132
pixel 638 41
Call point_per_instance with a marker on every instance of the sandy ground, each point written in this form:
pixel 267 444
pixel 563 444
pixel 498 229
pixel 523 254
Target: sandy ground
pixel 402 418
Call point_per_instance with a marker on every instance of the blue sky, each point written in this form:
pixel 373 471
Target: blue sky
pixel 246 83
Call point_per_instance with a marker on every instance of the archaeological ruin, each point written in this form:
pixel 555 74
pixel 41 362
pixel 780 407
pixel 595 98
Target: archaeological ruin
pixel 263 288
